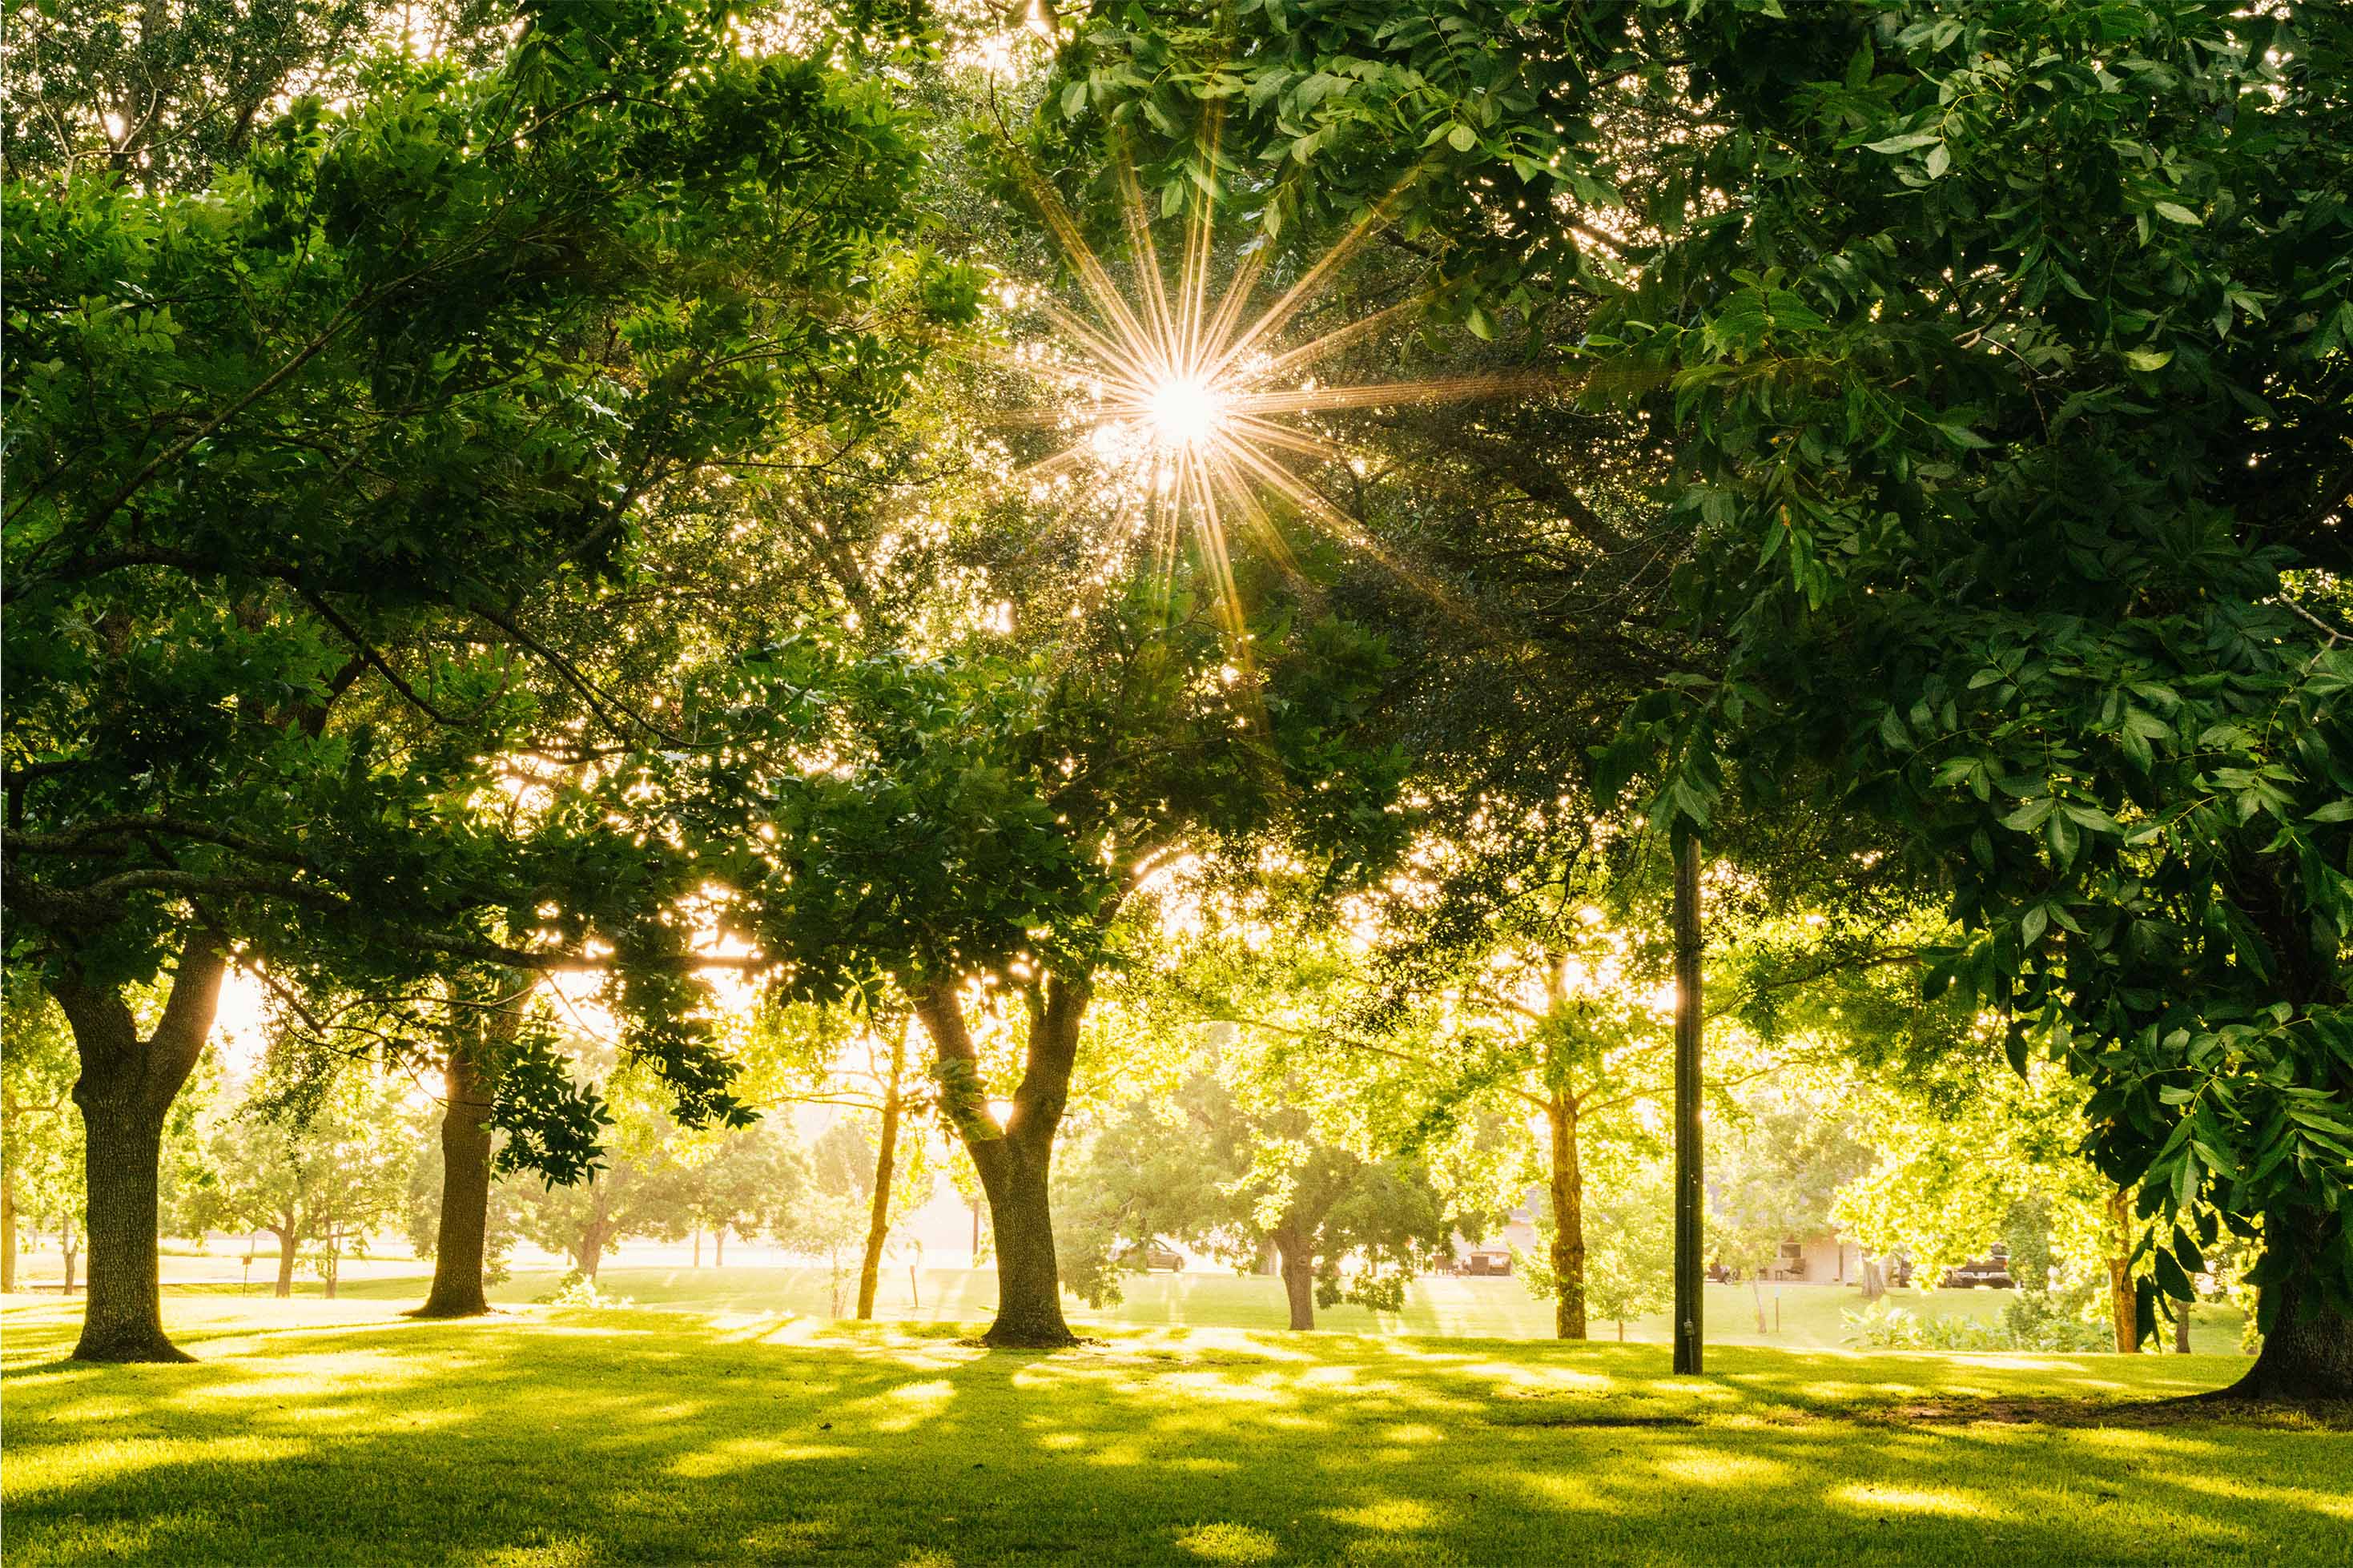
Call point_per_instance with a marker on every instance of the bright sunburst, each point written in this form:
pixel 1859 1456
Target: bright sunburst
pixel 1191 407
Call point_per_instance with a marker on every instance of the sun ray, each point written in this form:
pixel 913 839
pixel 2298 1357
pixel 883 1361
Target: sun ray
pixel 1179 401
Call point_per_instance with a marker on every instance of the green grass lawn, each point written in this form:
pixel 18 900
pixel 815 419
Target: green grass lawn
pixel 314 1432
pixel 1808 1316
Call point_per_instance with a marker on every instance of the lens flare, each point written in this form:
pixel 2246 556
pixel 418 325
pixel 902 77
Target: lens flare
pixel 1186 412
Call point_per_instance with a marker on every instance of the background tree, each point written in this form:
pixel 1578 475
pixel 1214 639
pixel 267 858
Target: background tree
pixel 319 1177
pixel 351 658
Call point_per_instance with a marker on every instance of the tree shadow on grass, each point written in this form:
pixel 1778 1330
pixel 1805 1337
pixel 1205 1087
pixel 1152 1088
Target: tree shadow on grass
pixel 589 1439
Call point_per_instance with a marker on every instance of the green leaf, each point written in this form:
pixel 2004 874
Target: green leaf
pixel 1904 143
pixel 2180 214
pixel 2148 358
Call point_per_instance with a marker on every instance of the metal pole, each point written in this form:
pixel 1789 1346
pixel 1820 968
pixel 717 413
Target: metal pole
pixel 1691 1188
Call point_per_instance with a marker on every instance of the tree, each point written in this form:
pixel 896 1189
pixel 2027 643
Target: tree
pixel 319 1178
pixel 1779 1165
pixel 303 462
pixel 40 1153
pixel 1240 1171
pixel 1629 1262
pixel 992 819
pixel 2012 486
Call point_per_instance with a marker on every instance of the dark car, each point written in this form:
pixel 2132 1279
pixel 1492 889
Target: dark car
pixel 1991 1271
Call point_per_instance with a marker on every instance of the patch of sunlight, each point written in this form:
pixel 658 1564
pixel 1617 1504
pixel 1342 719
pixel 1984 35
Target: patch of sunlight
pixel 1415 1432
pixel 1210 1385
pixel 1064 1441
pixel 928 1558
pixel 1560 1489
pixel 1116 1456
pixel 917 1403
pixel 565 1552
pixel 1203 1466
pixel 747 1453
pixel 1399 1515
pixel 80 1464
pixel 1223 1542
pixel 2336 1505
pixel 1565 1377
pixel 1913 1500
pixel 1708 1468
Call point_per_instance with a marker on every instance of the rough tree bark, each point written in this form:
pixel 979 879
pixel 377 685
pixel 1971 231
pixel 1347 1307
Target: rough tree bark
pixel 285 1235
pixel 878 1229
pixel 462 1241
pixel 2308 1352
pixel 124 1091
pixel 1297 1255
pixel 2122 1316
pixel 1013 1161
pixel 1567 1220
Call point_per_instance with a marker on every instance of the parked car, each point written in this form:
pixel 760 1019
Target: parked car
pixel 1153 1257
pixel 1992 1271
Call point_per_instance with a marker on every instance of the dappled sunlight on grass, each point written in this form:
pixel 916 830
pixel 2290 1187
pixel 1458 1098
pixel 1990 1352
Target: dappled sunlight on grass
pixel 633 1436
pixel 1874 1499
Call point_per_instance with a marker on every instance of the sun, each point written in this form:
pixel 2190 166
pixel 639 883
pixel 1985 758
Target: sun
pixel 1186 412
pixel 1186 402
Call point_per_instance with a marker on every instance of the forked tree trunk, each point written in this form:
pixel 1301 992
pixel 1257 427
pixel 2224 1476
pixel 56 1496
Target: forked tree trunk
pixel 124 1091
pixel 1297 1255
pixel 67 1253
pixel 1013 1162
pixel 285 1259
pixel 2307 1355
pixel 1567 1220
pixel 2123 1315
pixel 878 1229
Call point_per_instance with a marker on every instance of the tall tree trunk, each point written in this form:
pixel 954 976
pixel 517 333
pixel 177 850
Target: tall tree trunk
pixel 719 1247
pixel 1689 1324
pixel 125 1089
pixel 1567 1220
pixel 2182 1330
pixel 67 1253
pixel 7 1233
pixel 285 1259
pixel 1298 1263
pixel 698 1247
pixel 333 1267
pixel 1756 1294
pixel 2306 1356
pixel 462 1244
pixel 2121 1314
pixel 878 1227
pixel 1013 1162
pixel 1874 1281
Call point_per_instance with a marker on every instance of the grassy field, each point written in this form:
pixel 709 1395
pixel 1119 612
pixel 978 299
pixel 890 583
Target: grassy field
pixel 316 1432
pixel 1808 1316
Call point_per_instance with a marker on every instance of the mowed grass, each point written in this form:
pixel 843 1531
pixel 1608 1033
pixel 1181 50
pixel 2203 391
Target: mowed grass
pixel 1798 1317
pixel 314 1432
